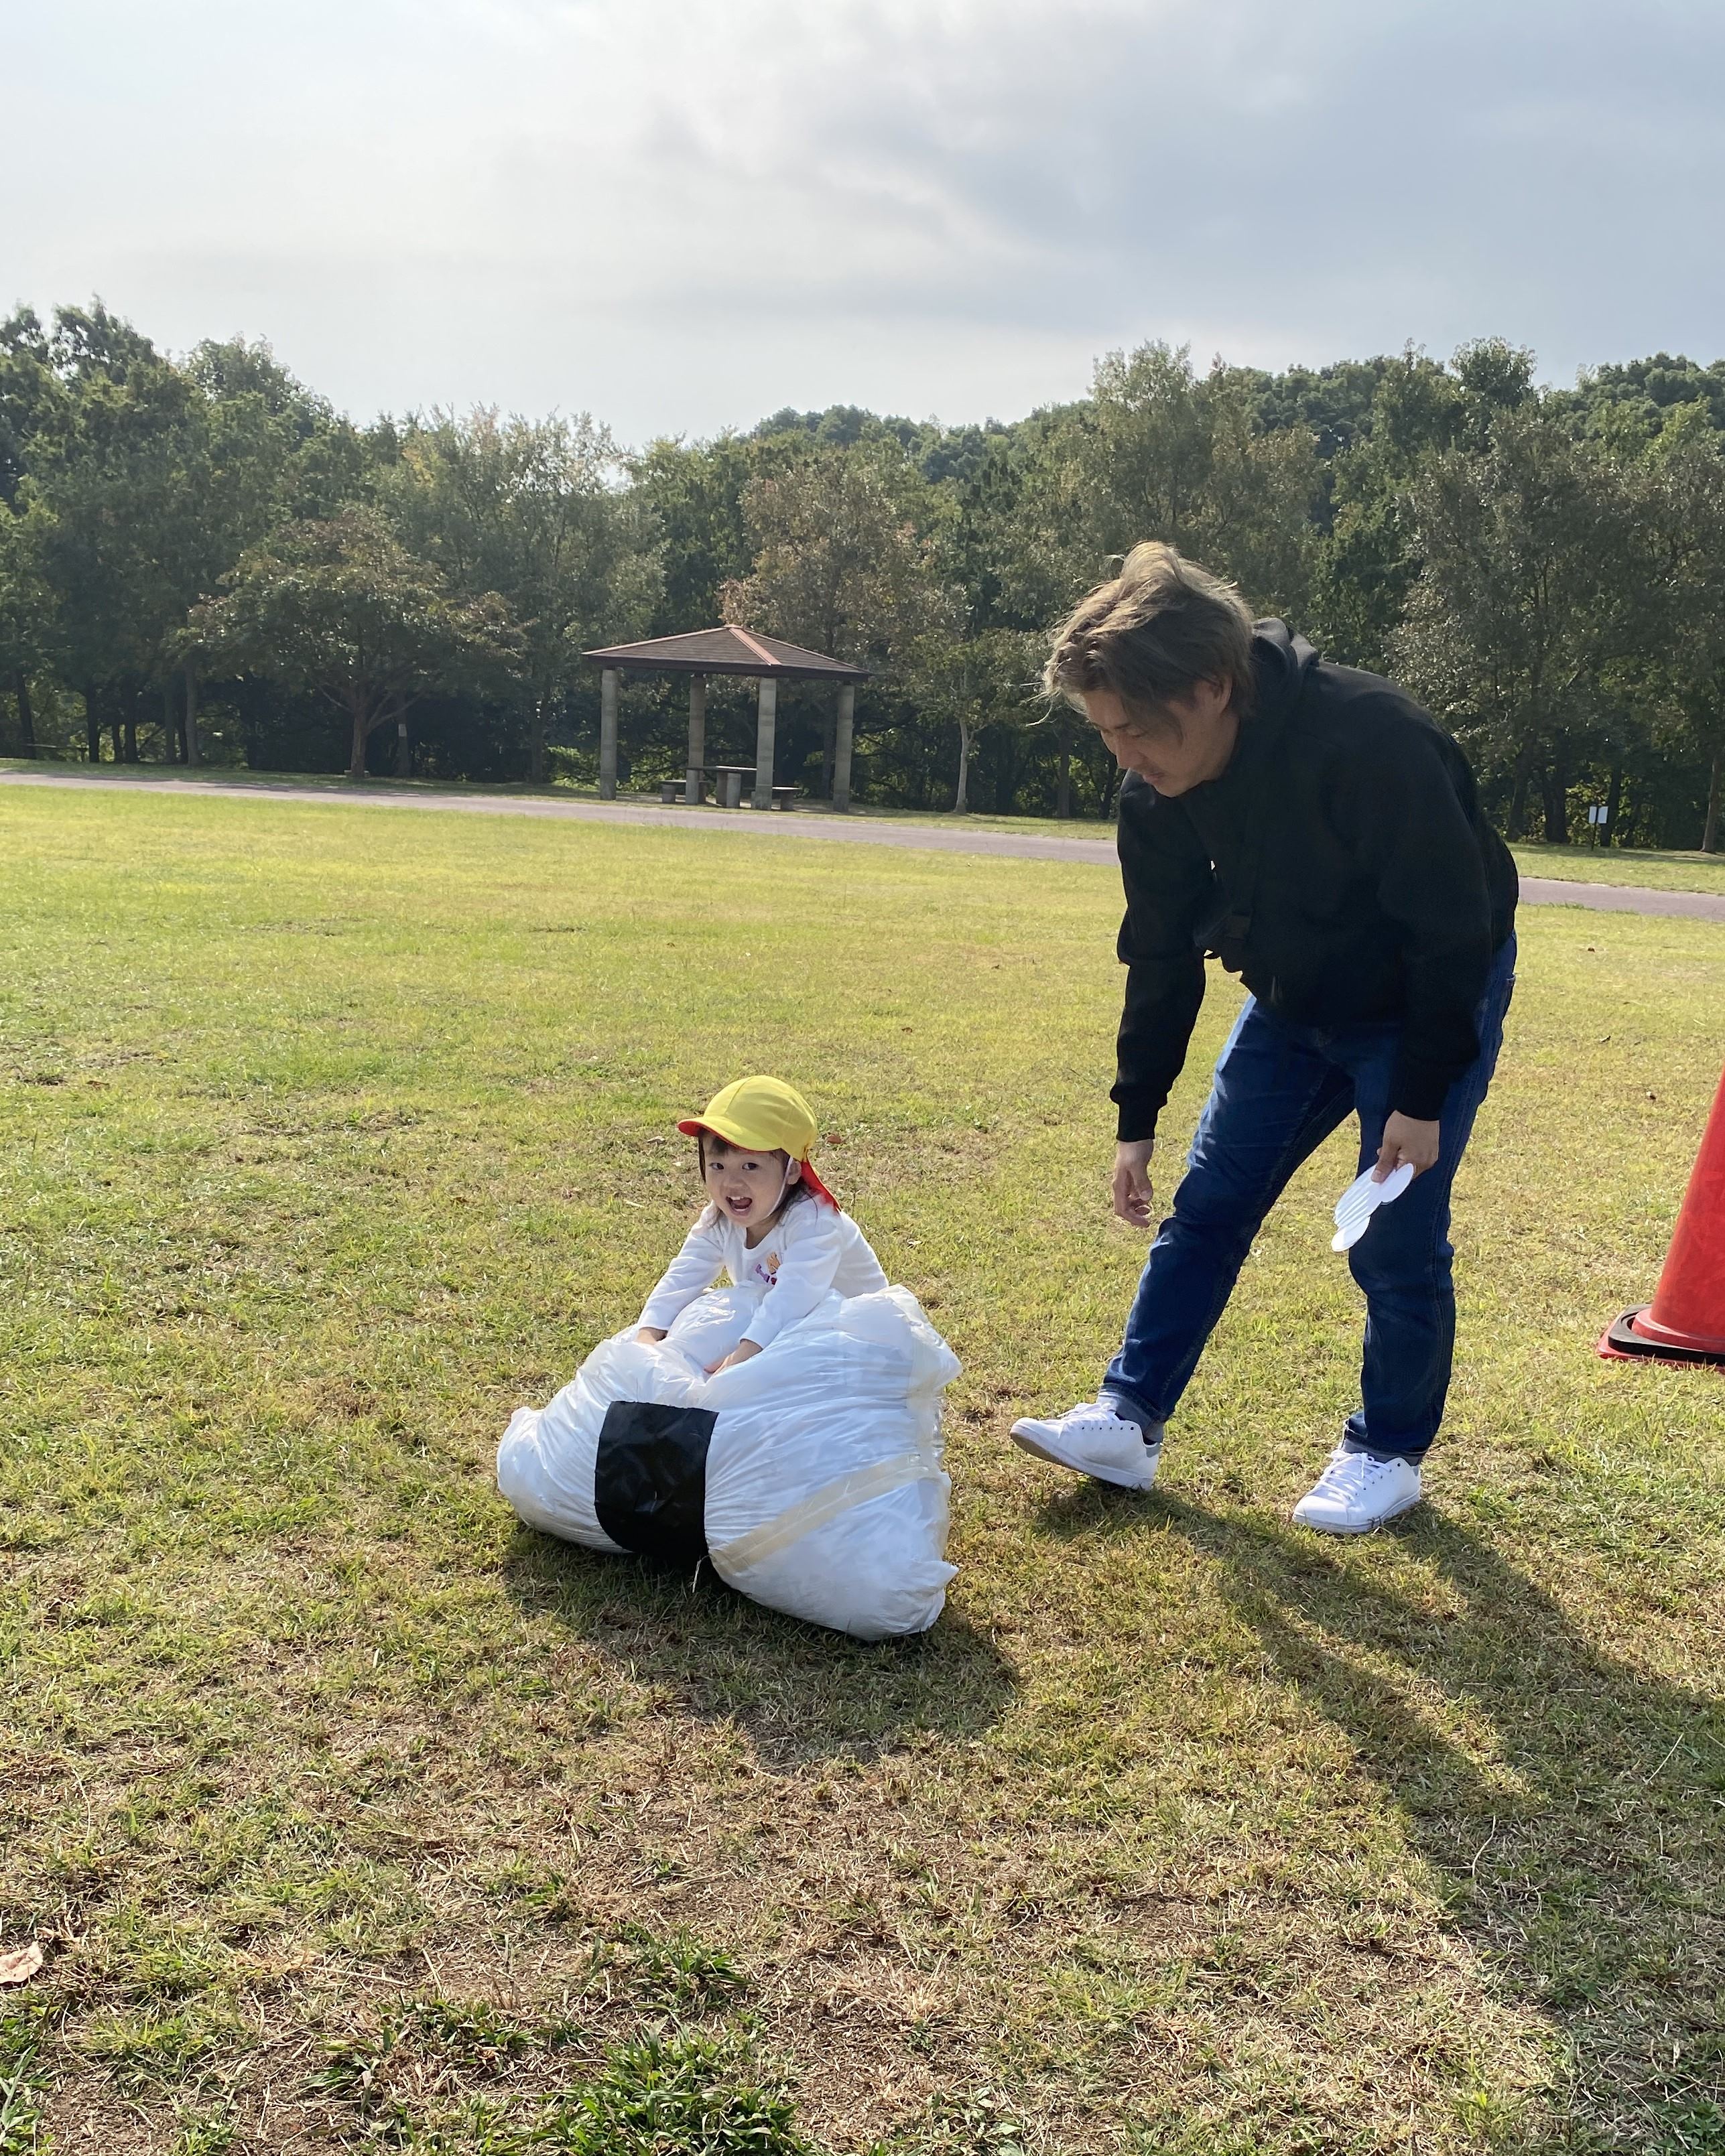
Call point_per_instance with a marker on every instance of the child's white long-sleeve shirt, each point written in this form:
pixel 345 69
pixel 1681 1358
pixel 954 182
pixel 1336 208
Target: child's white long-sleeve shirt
pixel 809 1251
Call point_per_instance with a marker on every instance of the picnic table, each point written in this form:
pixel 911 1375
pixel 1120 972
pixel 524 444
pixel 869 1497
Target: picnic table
pixel 727 786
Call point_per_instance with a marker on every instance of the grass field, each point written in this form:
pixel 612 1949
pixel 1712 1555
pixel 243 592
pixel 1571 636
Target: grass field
pixel 350 1814
pixel 1646 866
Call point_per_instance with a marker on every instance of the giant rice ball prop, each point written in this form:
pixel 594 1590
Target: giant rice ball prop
pixel 809 1477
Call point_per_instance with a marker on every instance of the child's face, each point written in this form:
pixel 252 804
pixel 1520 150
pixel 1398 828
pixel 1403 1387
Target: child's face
pixel 746 1187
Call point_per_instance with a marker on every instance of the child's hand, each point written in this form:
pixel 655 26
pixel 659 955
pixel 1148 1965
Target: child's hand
pixel 649 1335
pixel 740 1354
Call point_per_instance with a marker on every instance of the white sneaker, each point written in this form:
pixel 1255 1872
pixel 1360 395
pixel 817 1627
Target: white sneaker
pixel 1357 1492
pixel 1094 1440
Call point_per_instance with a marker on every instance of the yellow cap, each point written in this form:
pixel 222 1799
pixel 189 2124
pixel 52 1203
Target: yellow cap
pixel 760 1115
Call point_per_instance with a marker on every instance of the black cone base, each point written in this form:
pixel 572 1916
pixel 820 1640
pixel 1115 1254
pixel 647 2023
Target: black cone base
pixel 1626 1341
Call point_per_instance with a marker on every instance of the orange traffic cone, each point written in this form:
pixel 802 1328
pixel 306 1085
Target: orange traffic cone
pixel 1686 1320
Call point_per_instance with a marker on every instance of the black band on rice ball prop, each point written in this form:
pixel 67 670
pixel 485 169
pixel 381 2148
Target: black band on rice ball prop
pixel 650 1479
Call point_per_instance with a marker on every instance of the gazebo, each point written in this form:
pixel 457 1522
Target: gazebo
pixel 766 659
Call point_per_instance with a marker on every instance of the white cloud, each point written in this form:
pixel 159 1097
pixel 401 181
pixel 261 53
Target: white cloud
pixel 681 213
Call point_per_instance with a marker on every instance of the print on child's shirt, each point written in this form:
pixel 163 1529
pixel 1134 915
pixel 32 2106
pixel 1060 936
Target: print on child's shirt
pixel 766 1269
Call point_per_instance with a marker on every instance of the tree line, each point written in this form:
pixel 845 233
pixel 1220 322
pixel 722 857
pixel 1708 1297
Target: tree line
pixel 201 559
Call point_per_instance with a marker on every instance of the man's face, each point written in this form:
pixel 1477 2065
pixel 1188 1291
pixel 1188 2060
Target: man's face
pixel 746 1187
pixel 1192 749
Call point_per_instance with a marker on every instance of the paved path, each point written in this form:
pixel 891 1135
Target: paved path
pixel 918 837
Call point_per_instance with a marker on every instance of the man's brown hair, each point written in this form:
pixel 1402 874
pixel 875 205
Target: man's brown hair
pixel 1155 631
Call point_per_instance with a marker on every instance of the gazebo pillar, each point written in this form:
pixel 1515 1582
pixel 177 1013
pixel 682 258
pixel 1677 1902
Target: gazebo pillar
pixel 697 738
pixel 841 741
pixel 608 734
pixel 765 725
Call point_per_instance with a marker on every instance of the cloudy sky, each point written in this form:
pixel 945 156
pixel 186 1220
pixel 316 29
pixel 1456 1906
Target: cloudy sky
pixel 681 214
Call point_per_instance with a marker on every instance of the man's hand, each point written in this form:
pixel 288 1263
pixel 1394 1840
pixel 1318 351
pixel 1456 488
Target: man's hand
pixel 1133 1196
pixel 740 1354
pixel 648 1336
pixel 1406 1140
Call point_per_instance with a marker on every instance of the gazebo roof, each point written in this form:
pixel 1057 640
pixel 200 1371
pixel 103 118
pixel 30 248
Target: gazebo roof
pixel 727 650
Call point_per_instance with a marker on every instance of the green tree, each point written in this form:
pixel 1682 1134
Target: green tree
pixel 155 483
pixel 35 406
pixel 978 682
pixel 108 456
pixel 1686 667
pixel 849 560
pixel 1653 388
pixel 340 606
pixel 846 545
pixel 1156 452
pixel 280 449
pixel 26 606
pixel 1366 560
pixel 695 493
pixel 533 512
pixel 1532 577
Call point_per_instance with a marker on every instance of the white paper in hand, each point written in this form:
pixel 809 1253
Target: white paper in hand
pixel 1361 1199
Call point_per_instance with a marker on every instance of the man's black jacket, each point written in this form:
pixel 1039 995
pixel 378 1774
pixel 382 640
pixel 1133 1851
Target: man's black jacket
pixel 1339 866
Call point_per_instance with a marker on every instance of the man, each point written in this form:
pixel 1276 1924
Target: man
pixel 1314 828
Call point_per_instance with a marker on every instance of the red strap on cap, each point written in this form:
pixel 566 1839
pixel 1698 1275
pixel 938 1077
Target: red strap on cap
pixel 812 1182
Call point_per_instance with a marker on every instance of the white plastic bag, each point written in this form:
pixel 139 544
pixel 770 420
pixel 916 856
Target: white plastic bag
pixel 824 1493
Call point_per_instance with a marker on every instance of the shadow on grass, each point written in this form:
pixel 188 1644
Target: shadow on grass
pixel 799 1693
pixel 1572 1805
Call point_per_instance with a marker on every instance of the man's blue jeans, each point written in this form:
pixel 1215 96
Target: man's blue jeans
pixel 1278 1091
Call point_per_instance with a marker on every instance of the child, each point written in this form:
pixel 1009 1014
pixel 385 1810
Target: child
pixel 771 1222
pixel 815 1484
